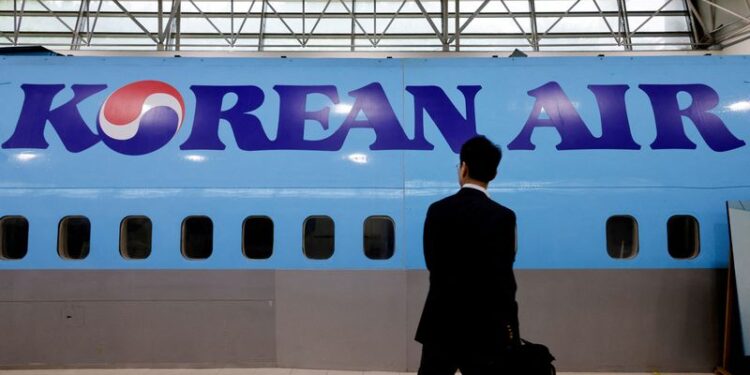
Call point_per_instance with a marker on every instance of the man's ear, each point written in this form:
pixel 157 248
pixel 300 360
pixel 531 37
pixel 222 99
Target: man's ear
pixel 465 171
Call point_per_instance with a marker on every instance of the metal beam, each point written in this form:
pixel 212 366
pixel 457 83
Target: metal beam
pixel 388 26
pixel 4 35
pixel 140 25
pixel 17 19
pixel 429 20
pixel 178 27
pixel 457 35
pixel 268 3
pixel 696 16
pixel 559 19
pixel 406 47
pixel 360 14
pixel 525 34
pixel 534 32
pixel 649 18
pixel 262 26
pixel 625 25
pixel 737 33
pixel 354 19
pixel 471 18
pixel 166 33
pixel 737 41
pixel 427 36
pixel 90 32
pixel 242 25
pixel 49 11
pixel 320 17
pixel 75 41
pixel 160 24
pixel 353 36
pixel 229 42
pixel 606 22
pixel 719 7
pixel 693 26
pixel 444 24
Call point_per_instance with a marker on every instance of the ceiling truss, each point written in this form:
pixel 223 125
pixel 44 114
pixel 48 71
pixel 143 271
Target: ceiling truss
pixel 354 25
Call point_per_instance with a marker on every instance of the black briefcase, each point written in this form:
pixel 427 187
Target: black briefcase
pixel 526 359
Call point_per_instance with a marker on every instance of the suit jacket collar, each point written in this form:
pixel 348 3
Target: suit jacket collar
pixel 477 187
pixel 472 192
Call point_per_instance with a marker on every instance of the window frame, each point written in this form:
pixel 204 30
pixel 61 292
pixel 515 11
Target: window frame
pixel 333 235
pixel 245 253
pixel 2 239
pixel 364 237
pixel 122 246
pixel 182 237
pixel 697 250
pixel 636 236
pixel 63 223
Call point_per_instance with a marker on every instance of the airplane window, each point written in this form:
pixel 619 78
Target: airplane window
pixel 257 237
pixel 379 237
pixel 622 237
pixel 14 237
pixel 135 237
pixel 683 237
pixel 74 237
pixel 197 237
pixel 318 231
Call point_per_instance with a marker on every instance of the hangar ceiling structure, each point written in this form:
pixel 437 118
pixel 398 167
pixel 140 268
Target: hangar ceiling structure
pixel 373 25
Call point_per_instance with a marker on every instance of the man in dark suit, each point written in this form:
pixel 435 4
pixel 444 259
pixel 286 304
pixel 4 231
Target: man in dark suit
pixel 470 314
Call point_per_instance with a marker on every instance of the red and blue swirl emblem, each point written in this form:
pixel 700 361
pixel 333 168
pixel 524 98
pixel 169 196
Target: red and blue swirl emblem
pixel 141 117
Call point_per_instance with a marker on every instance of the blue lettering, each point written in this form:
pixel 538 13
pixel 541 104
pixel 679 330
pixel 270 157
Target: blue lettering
pixel 73 131
pixel 293 113
pixel 561 115
pixel 371 101
pixel 670 131
pixel 615 125
pixel 247 128
pixel 455 128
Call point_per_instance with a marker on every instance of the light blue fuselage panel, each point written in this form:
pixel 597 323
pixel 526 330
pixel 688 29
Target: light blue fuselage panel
pixel 310 166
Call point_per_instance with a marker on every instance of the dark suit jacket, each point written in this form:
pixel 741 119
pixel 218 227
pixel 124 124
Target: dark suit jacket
pixel 469 248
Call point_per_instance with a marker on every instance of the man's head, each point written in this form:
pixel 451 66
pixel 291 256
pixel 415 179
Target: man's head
pixel 479 161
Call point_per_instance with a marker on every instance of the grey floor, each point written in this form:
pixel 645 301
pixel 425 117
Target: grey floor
pixel 271 371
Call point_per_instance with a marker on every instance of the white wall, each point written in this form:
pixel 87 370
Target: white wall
pixel 742 48
pixel 726 23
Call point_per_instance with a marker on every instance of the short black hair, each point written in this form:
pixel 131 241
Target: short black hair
pixel 481 157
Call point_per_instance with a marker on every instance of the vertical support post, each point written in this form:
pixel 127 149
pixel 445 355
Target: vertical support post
pixel 694 26
pixel 375 18
pixel 534 32
pixel 90 31
pixel 160 22
pixel 626 40
pixel 304 28
pixel 262 30
pixel 75 41
pixel 352 41
pixel 231 20
pixel 15 19
pixel 444 24
pixel 178 21
pixel 697 17
pixel 458 26
pixel 18 18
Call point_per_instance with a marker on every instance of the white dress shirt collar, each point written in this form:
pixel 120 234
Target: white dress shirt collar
pixel 476 187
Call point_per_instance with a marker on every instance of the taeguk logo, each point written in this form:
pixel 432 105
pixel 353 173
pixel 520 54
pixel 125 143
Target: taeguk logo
pixel 141 117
